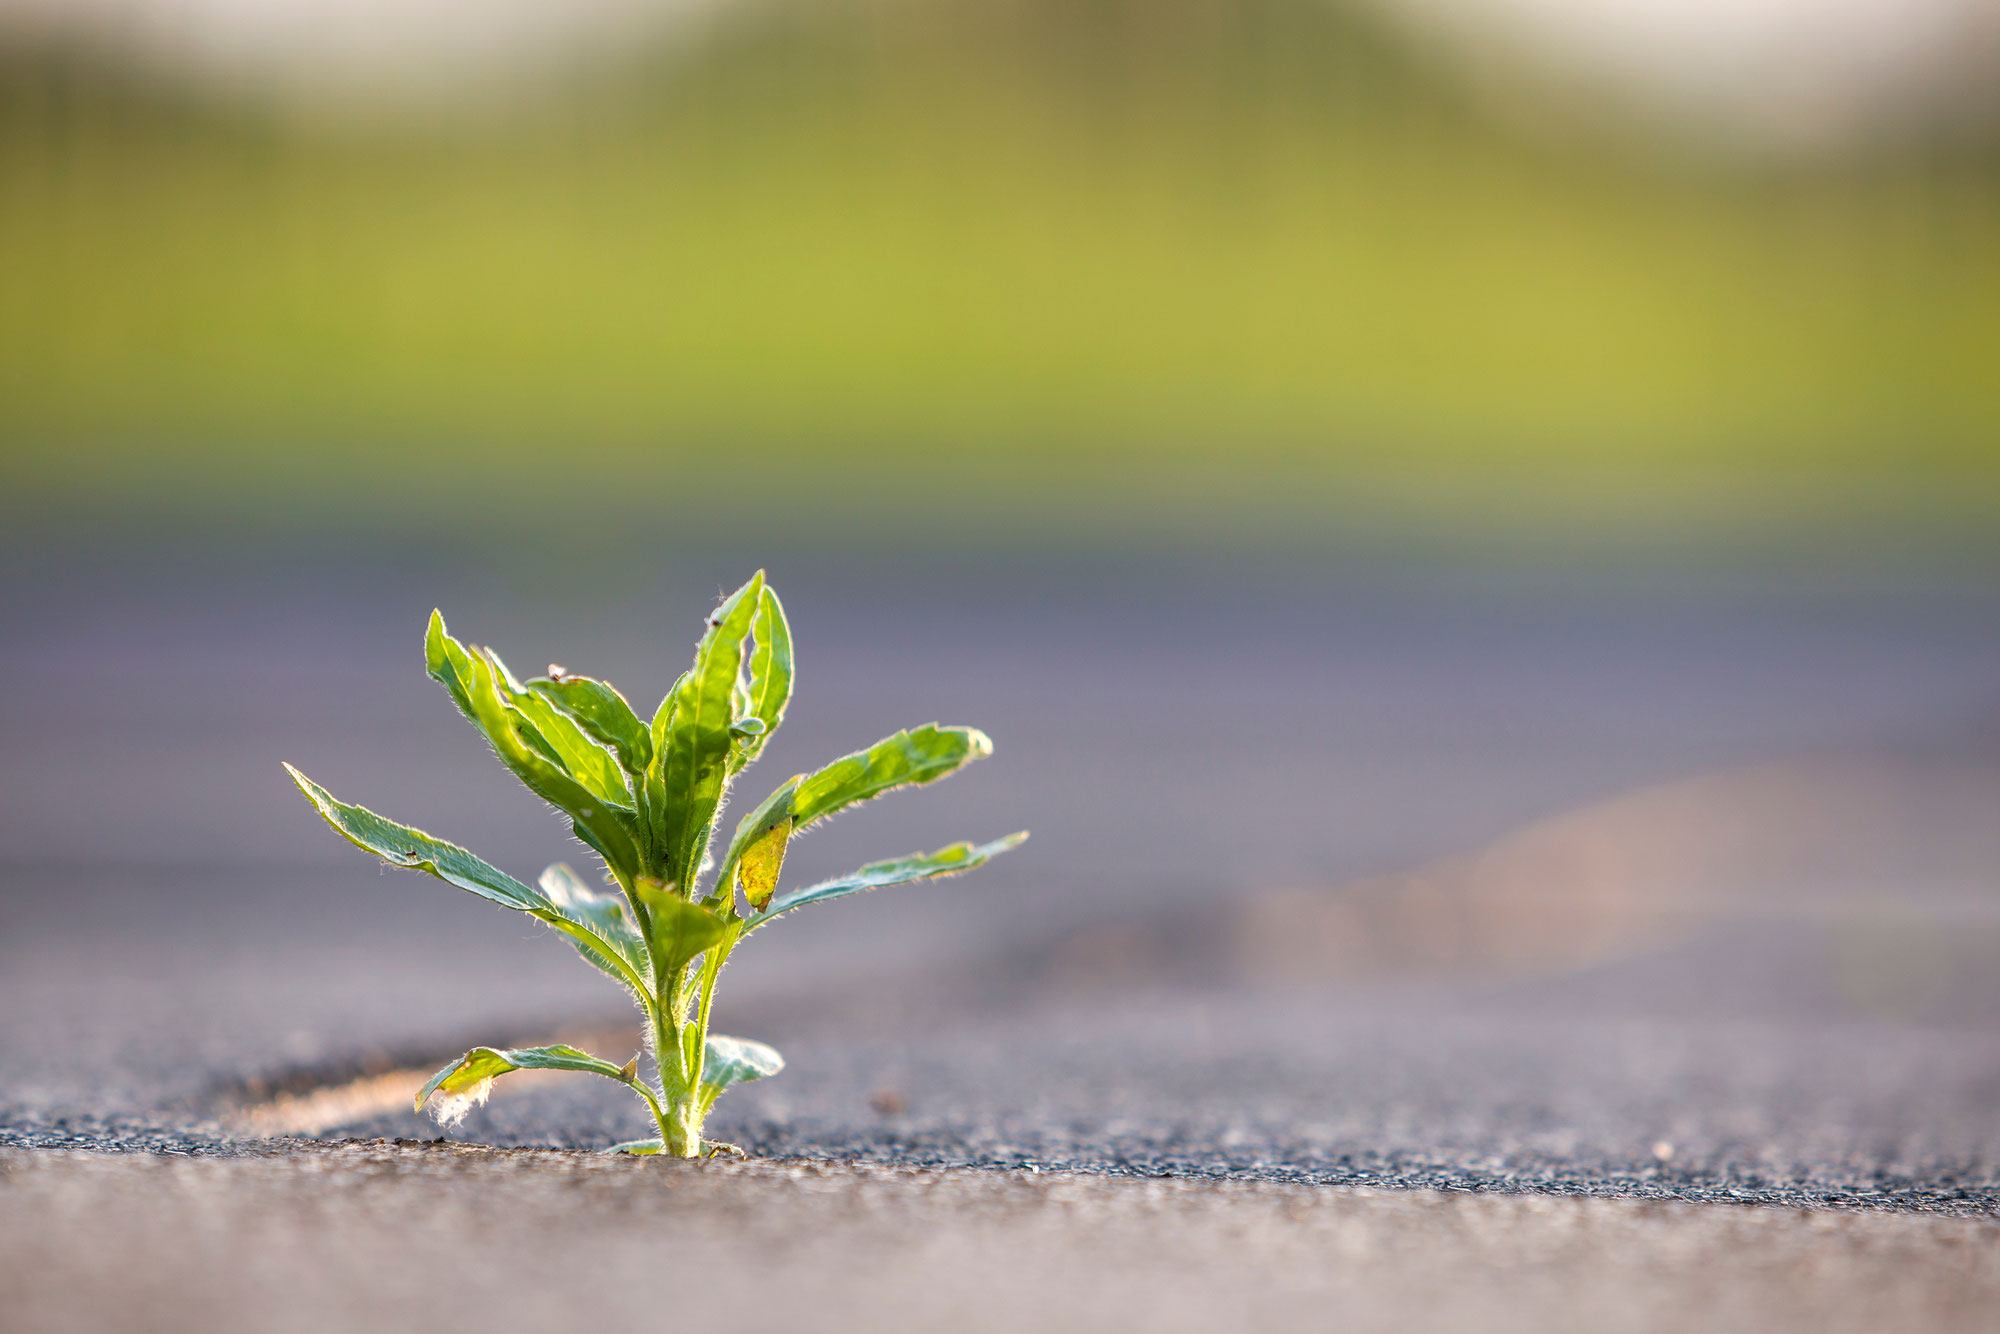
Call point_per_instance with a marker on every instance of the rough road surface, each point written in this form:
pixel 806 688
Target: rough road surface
pixel 456 1237
pixel 1493 956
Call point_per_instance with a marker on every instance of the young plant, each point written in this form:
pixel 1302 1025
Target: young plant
pixel 646 798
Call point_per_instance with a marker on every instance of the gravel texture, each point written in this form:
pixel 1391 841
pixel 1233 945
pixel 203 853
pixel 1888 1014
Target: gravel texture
pixel 1510 935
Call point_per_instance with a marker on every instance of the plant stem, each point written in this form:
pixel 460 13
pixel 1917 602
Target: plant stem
pixel 676 1141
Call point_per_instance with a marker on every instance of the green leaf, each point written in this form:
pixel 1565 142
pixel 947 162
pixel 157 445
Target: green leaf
pixel 613 947
pixel 602 712
pixel 604 916
pixel 919 755
pixel 466 1081
pixel 771 674
pixel 575 751
pixel 415 850
pixel 737 1061
pixel 691 736
pixel 638 1146
pixel 483 690
pixel 680 930
pixel 449 664
pixel 598 823
pixel 895 871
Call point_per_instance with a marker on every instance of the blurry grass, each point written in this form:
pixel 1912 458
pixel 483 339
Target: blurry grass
pixel 1082 250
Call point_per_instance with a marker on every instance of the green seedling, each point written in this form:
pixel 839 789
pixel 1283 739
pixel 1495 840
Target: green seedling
pixel 646 799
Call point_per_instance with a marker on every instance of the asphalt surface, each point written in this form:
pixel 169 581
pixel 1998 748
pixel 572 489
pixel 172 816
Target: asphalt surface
pixel 1344 876
pixel 375 1234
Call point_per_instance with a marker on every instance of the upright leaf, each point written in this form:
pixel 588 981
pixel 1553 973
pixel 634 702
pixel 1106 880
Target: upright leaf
pixel 771 674
pixel 484 692
pixel 574 750
pixel 449 663
pixel 465 1082
pixel 692 746
pixel 680 930
pixel 919 755
pixel 895 871
pixel 602 712
pixel 598 823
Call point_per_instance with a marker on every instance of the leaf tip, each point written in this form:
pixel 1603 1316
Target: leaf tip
pixel 306 785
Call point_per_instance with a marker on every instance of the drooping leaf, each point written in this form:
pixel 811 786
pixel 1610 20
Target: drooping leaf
pixel 467 1080
pixel 737 1061
pixel 638 1146
pixel 604 915
pixel 680 930
pixel 602 712
pixel 895 871
pixel 918 755
pixel 771 674
pixel 692 744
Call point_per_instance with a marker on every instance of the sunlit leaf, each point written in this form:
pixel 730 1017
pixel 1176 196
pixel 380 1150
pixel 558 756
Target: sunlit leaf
pixel 604 915
pixel 466 1081
pixel 895 871
pixel 602 712
pixel 449 664
pixel 773 813
pixel 691 736
pixel 680 930
pixel 574 750
pixel 484 691
pixel 737 1061
pixel 413 849
pixel 919 755
pixel 771 674
pixel 646 797
pixel 599 824
pixel 758 869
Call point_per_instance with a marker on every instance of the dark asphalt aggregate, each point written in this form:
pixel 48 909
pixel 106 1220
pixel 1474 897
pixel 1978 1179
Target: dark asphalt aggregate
pixel 1775 1029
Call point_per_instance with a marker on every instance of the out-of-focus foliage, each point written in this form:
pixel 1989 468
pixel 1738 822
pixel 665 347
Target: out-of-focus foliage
pixel 1081 245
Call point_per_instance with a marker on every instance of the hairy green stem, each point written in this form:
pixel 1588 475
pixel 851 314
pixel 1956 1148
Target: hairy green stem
pixel 671 1113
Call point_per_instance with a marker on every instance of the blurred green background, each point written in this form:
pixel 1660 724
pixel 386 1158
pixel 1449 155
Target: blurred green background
pixel 1270 265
